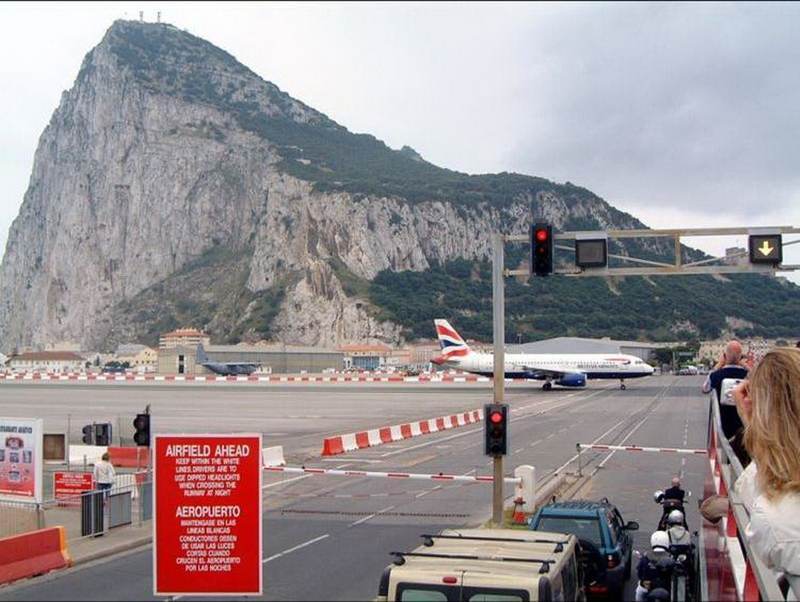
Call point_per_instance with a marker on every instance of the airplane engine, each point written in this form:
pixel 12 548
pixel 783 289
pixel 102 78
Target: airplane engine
pixel 572 380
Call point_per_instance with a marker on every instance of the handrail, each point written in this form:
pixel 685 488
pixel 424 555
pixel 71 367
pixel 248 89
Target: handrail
pixel 730 468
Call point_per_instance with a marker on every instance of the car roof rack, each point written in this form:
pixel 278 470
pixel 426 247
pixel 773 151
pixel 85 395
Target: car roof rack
pixel 400 559
pixel 429 540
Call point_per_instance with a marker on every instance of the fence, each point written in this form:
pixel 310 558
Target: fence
pixel 752 579
pixel 87 514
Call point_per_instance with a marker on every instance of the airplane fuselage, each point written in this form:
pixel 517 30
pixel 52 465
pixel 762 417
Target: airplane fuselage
pixel 544 366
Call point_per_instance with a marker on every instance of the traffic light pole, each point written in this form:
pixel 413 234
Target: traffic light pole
pixel 498 316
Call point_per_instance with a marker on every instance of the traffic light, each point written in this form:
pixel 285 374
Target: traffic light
pixel 541 249
pixel 765 248
pixel 142 425
pixel 102 434
pixel 88 434
pixel 496 429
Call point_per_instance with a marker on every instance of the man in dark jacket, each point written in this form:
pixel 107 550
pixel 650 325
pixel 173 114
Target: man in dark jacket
pixel 730 365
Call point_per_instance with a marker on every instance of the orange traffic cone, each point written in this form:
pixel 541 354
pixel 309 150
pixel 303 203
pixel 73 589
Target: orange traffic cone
pixel 519 515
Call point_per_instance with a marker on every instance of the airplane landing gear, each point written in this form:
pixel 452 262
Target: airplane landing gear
pixel 621 384
pixel 547 386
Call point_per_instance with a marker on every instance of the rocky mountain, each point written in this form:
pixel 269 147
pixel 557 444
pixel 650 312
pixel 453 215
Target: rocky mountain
pixel 174 186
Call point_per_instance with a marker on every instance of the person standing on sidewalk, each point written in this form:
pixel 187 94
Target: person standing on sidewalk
pixel 104 474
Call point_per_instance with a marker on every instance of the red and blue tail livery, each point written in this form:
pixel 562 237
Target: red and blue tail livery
pixel 450 341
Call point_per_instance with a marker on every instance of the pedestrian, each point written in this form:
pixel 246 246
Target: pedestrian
pixel 769 403
pixel 104 474
pixel 730 365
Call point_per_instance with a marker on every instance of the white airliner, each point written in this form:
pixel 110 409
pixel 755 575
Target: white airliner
pixel 565 369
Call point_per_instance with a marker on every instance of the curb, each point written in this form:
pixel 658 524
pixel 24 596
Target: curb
pixel 116 549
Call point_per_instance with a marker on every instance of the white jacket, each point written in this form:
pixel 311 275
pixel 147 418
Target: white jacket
pixel 774 528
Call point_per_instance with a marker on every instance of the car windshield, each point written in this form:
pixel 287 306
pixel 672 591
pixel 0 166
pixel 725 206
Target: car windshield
pixel 582 528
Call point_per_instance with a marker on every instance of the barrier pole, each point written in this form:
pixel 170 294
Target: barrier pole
pixel 498 314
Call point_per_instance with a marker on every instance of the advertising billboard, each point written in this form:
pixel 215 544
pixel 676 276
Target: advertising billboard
pixel 21 459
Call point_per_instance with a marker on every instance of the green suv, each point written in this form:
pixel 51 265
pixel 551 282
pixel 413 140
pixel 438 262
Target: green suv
pixel 605 539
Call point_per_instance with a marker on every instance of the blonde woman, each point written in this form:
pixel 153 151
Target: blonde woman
pixel 769 404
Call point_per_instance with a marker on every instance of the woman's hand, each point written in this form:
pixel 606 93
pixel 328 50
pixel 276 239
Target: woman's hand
pixel 744 405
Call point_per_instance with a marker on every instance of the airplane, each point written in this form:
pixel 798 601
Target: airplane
pixel 225 368
pixel 564 369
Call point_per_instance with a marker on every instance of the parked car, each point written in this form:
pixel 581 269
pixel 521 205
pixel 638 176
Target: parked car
pixel 604 537
pixel 471 565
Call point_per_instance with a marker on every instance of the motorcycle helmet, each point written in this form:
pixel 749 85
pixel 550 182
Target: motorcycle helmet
pixel 658 496
pixel 659 539
pixel 675 518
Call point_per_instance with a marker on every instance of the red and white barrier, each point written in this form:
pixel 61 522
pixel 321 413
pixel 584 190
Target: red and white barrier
pixel 387 434
pixel 434 378
pixel 636 448
pixel 389 475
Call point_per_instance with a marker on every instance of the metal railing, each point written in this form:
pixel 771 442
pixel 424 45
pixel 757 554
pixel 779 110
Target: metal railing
pixel 771 584
pixel 124 504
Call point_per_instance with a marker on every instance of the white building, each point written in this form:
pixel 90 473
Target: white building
pixel 47 361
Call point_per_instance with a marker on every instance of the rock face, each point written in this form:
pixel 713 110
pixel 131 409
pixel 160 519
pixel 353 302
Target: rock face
pixel 172 182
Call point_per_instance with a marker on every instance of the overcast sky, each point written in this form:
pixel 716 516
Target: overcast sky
pixel 681 114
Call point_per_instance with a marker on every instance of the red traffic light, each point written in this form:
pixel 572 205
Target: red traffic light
pixel 541 235
pixel 496 417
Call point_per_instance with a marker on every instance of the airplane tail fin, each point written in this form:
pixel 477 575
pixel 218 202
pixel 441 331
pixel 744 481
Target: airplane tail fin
pixel 450 341
pixel 201 354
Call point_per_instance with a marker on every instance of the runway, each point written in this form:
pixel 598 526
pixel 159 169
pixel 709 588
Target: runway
pixel 329 538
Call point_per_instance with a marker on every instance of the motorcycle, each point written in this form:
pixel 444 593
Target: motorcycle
pixel 668 505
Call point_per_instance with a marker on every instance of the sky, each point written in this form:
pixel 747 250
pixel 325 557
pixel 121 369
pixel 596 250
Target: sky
pixel 682 114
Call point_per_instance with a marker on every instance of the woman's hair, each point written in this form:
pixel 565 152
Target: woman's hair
pixel 772 435
pixel 105 456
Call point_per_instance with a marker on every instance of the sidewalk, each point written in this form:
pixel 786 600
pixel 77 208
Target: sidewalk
pixel 117 540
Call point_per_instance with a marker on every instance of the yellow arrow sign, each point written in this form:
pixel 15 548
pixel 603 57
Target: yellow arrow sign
pixel 765 249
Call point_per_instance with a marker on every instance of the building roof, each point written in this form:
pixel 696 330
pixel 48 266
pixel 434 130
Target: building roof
pixel 370 348
pixel 185 332
pixel 130 349
pixel 582 345
pixel 48 355
pixel 265 348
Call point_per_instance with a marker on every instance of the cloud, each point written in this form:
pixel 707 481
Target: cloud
pixel 671 112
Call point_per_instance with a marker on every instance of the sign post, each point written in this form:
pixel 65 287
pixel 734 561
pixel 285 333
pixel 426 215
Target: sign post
pixel 207 515
pixel 21 459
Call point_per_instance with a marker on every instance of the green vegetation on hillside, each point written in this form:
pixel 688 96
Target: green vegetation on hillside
pixel 638 308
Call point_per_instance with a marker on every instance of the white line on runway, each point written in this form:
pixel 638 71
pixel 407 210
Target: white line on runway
pixel 573 458
pixel 371 516
pixel 295 548
pixel 465 433
pixel 300 478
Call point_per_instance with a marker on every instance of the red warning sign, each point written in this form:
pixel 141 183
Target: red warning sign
pixel 68 486
pixel 207 521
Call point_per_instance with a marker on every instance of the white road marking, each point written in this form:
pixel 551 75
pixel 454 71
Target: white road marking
pixel 371 516
pixel 295 548
pixel 301 477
